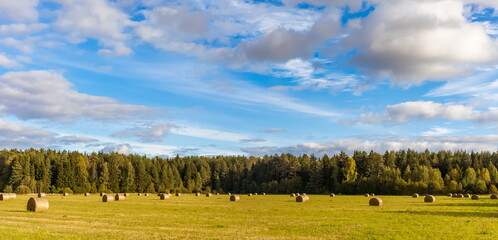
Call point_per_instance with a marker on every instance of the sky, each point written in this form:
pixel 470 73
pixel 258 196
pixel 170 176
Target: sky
pixel 248 77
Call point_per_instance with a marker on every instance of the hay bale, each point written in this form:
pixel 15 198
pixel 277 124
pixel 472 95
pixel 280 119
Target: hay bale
pixel 475 197
pixel 249 194
pixel 65 194
pixel 493 196
pixel 229 194
pixel 302 198
pixel 197 194
pixel 234 198
pixel 366 195
pixel 375 202
pixel 37 205
pixel 332 195
pixel 459 195
pixel 466 195
pixel 415 195
pixel 107 198
pixel 126 194
pixel 217 193
pixel 209 194
pixel 5 196
pixel 429 198
pixel 12 195
pixel 87 194
pixel 264 194
pixel 449 195
pixel 163 196
pixel 40 195
pixel 146 194
pixel 372 194
pixel 177 194
pixel 102 194
pixel 256 194
pixel 119 197
pixel 292 194
pixel 139 194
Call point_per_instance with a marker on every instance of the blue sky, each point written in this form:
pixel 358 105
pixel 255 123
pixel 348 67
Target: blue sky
pixel 240 77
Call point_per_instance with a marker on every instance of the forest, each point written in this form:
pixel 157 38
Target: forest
pixel 393 172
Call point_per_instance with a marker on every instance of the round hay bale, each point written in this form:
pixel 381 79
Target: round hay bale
pixel 372 194
pixel 375 202
pixel 449 195
pixel 40 195
pixel 107 198
pixel 101 194
pixel 126 194
pixel 197 194
pixel 366 195
pixel 139 194
pixel 249 194
pixel 475 197
pixel 429 198
pixel 459 195
pixel 293 195
pixel 466 195
pixel 264 194
pixel 5 196
pixel 177 194
pixel 146 194
pixel 119 197
pixel 87 194
pixel 229 194
pixel 234 198
pixel 12 195
pixel 209 194
pixel 217 193
pixel 37 205
pixel 493 196
pixel 332 195
pixel 65 194
pixel 164 196
pixel 302 198
pixel 256 194
pixel 415 195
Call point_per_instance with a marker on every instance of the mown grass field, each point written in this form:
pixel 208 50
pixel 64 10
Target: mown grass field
pixel 256 217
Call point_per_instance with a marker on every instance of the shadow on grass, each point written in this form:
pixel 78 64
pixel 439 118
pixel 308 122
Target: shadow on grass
pixel 468 204
pixel 453 214
pixel 18 211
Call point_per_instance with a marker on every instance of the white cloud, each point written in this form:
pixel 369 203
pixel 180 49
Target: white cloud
pixel 413 41
pixel 274 130
pixel 309 75
pixel 147 133
pixel 96 19
pixel 7 62
pixel 22 28
pixel 48 95
pixel 209 134
pixel 118 148
pixel 428 110
pixel 72 139
pixel 481 87
pixel 19 10
pixel 438 131
pixel 434 143
pixel 14 135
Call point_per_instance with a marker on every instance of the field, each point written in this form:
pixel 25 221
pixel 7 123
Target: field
pixel 256 217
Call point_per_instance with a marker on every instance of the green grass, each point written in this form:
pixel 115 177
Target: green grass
pixel 256 217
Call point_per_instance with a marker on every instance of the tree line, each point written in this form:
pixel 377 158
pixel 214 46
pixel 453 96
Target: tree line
pixel 393 172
